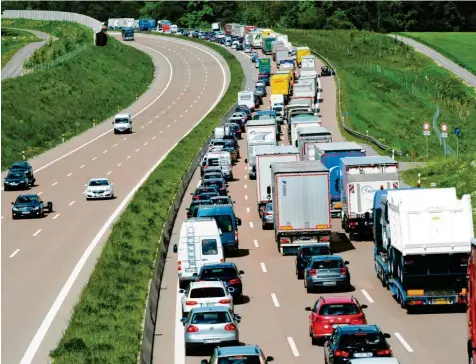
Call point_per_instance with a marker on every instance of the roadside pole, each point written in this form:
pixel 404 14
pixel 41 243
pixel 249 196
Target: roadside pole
pixel 426 134
pixel 444 135
pixel 458 134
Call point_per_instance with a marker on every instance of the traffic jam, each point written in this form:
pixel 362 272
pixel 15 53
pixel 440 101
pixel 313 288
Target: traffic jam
pixel 304 182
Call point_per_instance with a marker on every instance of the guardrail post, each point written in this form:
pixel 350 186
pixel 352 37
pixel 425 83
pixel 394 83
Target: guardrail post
pixel 393 154
pixel 62 138
pixel 23 154
pixel 94 123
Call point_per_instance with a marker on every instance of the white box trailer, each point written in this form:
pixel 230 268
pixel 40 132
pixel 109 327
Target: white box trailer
pixel 258 133
pixel 428 221
pixel 301 204
pixel 304 89
pixel 246 98
pixel 300 120
pixel 265 157
pixel 308 136
pixel 308 62
pixel 281 54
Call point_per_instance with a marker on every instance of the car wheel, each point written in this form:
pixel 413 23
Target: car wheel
pixel 300 275
pixel 115 132
pixel 14 217
pixel 309 289
pixel 188 350
pixel 5 188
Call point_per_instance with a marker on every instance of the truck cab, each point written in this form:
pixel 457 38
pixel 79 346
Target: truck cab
pixel 122 124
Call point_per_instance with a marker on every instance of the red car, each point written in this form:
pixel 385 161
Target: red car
pixel 330 312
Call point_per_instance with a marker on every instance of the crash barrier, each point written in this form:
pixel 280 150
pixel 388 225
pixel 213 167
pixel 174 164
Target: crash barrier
pixel 150 317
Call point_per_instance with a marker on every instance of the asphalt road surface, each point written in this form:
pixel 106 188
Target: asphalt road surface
pixel 14 67
pixel 441 60
pixel 46 262
pixel 273 315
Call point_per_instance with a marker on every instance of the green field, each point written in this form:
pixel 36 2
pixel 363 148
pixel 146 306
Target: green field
pixel 391 90
pixel 13 40
pixel 459 47
pixel 38 108
pixel 106 323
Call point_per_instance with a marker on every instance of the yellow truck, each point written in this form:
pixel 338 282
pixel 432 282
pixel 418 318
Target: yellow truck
pixel 301 52
pixel 287 71
pixel 280 84
pixel 267 32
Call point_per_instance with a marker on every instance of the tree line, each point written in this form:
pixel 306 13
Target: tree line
pixel 386 16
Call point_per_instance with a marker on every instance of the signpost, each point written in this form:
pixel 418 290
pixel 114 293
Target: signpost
pixel 426 133
pixel 444 135
pixel 458 134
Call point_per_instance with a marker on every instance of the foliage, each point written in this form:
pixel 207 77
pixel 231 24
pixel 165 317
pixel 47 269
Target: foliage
pixel 390 90
pixel 13 40
pixel 67 98
pixel 106 323
pixel 459 47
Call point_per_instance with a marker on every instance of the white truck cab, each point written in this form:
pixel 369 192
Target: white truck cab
pixel 122 123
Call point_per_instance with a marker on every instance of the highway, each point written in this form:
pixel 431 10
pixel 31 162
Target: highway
pixel 273 315
pixel 46 262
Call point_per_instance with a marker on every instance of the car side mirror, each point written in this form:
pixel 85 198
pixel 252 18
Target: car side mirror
pixel 246 160
pixel 269 358
pixel 183 320
pixel 364 306
pixel 346 262
pixel 241 272
pixel 308 309
pixel 195 274
pixel 238 221
pixel 387 336
pixel 181 291
pixel 268 190
pixel 13 203
pixel 204 361
pixel 175 248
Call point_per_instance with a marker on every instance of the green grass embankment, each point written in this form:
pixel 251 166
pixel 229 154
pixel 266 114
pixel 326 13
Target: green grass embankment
pixel 377 74
pixel 459 47
pixel 38 108
pixel 13 40
pixel 106 323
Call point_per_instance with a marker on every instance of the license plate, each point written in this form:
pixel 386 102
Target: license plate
pixel 211 341
pixel 441 301
pixel 25 212
pixel 329 283
pixel 338 325
pixel 362 355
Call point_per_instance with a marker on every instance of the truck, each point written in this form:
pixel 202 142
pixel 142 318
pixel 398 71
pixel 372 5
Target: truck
pixel 249 28
pixel 423 255
pixel 147 24
pixel 259 133
pixel 237 30
pixel 308 136
pixel 264 65
pixel 299 120
pixel 265 157
pixel 228 28
pixel 266 44
pixel 246 98
pixel 304 89
pixel 283 38
pixel 280 84
pixel 330 155
pixel 280 55
pixel 216 27
pixel 301 52
pixel 219 132
pixel 308 62
pixel 277 105
pixel 298 105
pixel 289 72
pixel 267 32
pixel 360 177
pixel 301 204
pixel 254 39
pixel 266 115
pixel 471 312
pixel 276 46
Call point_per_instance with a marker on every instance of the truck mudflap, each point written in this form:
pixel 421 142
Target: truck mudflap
pixel 289 246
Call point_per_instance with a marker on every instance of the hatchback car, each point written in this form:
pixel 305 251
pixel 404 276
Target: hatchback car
pixel 247 48
pixel 221 200
pixel 234 130
pixel 218 183
pixel 356 341
pixel 260 91
pixel 204 294
pixel 210 326
pixel 16 180
pixel 267 219
pixel 326 271
pixel 331 312
pixel 227 273
pixel 202 190
pixel 246 354
pixel 99 188
pixel 194 205
pixel 245 109
pixel 212 174
pixel 23 167
pixel 304 254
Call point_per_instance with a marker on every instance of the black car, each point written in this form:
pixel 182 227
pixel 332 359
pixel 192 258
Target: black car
pixel 23 167
pixel 326 71
pixel 200 191
pixel 260 90
pixel 245 109
pixel 226 272
pixel 305 252
pixel 356 341
pixel 219 184
pixel 30 206
pixel 192 210
pixel 16 180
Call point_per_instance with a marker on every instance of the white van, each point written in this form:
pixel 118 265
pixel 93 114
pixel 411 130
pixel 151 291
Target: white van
pixel 122 123
pixel 246 98
pixel 222 159
pixel 219 132
pixel 199 243
pixel 374 361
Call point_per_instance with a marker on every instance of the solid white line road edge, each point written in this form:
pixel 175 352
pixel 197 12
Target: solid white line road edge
pixel 403 342
pixel 53 311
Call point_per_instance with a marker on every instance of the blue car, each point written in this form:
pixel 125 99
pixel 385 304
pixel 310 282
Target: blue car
pixel 326 271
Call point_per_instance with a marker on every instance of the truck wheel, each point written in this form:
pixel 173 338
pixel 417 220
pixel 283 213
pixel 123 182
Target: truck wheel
pixel 115 132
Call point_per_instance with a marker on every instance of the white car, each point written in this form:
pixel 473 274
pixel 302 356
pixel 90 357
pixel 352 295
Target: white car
pixel 260 84
pixel 202 294
pixel 234 46
pixel 99 188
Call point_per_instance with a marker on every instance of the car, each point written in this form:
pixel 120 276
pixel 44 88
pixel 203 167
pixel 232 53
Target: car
pixel 251 354
pixel 247 48
pixel 260 83
pixel 239 47
pixel 221 200
pixel 24 167
pixel 304 254
pixel 356 341
pixel 216 142
pixel 240 114
pixel 234 46
pixel 331 312
pixel 235 129
pixel 325 271
pixel 230 149
pixel 210 326
pixel 99 188
pixel 203 294
pixel 267 220
pixel 326 71
pixel 256 64
pixel 212 169
pixel 218 183
pixel 204 193
pixel 227 273
pixel 212 174
pixel 193 208
pixel 245 109
pixel 16 180
pixel 30 206
pixel 261 91
pixel 238 120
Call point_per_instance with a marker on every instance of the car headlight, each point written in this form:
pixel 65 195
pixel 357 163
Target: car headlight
pixel 36 208
pixel 15 209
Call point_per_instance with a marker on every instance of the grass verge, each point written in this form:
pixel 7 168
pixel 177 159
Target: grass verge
pixel 459 47
pixel 391 90
pixel 38 108
pixel 13 40
pixel 106 323
pixel 448 172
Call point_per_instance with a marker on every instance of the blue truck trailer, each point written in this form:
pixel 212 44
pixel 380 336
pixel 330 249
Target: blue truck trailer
pixel 147 24
pixel 422 242
pixel 330 155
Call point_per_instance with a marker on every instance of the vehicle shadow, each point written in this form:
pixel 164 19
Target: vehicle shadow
pixel 333 290
pixel 207 350
pixel 102 199
pixel 242 253
pixel 340 243
pixel 320 101
pixel 437 310
pixel 244 300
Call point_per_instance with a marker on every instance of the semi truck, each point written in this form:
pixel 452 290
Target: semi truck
pixel 265 157
pixel 281 55
pixel 254 39
pixel 423 255
pixel 275 46
pixel 267 44
pixel 299 120
pixel 300 194
pixel 301 52
pixel 308 136
pixel 264 65
pixel 238 30
pixel 216 27
pixel 228 28
pixel 280 84
pixel 471 312
pixel 330 155
pixel 147 24
pixel 360 177
pixel 259 133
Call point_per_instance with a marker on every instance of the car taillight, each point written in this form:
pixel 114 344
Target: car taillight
pixel 235 281
pixel 191 303
pixel 226 301
pixel 343 271
pixel 268 213
pixel 341 353
pixel 192 328
pixel 196 197
pixel 284 240
pixel 230 327
pixel 313 272
pixel 179 265
pixel 236 236
pixel 353 223
pixel 324 238
pixel 384 352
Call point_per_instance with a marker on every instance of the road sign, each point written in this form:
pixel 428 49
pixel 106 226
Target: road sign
pixel 457 132
pixel 444 135
pixel 426 132
pixel 444 128
pixel 426 126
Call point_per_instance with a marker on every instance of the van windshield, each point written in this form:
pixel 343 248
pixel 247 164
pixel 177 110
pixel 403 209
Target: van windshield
pixel 224 223
pixel 121 120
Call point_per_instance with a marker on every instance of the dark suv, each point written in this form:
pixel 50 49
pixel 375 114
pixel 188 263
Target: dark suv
pixel 305 252
pixel 226 272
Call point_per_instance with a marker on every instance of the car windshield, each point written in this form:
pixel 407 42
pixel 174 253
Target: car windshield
pixel 213 161
pixel 212 175
pixel 338 309
pixel 315 250
pixel 221 201
pixel 213 182
pixel 15 175
pixel 363 339
pixel 207 292
pixel 210 318
pixel 18 167
pixel 224 223
pixel 218 142
pixel 218 273
pixel 327 264
pixel 121 120
pixel 207 195
pixel 240 359
pixel 99 182
pixel 209 247
pixel 26 199
pixel 268 208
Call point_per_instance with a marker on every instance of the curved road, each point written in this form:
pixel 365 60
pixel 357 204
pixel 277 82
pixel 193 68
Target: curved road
pixel 273 313
pixel 14 67
pixel 441 60
pixel 46 262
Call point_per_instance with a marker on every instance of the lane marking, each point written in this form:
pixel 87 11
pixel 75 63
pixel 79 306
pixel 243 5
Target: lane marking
pixel 251 225
pixel 146 143
pixel 142 127
pixel 119 164
pixel 153 137
pixel 161 132
pixel 150 121
pixel 246 186
pixel 293 346
pixel 275 300
pixel 71 203
pixel 403 342
pixel 56 216
pixel 168 126
pixel 246 176
pixel 255 242
pixel 37 232
pixel 246 197
pixel 115 145
pixel 366 294
pixel 246 168
pixel 40 193
pixel 54 184
pixel 247 209
pixel 263 268
pixel 69 174
pixel 124 138
pixel 128 157
pixel 14 253
pixel 104 152
pixel 108 173
pixel 137 150
pixel 82 166
pixel 94 158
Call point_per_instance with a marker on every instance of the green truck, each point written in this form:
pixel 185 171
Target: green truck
pixel 264 65
pixel 267 44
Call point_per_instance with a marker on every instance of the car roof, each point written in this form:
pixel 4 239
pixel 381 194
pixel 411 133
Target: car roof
pixel 219 265
pixel 326 257
pixel 352 329
pixel 206 284
pixel 238 350
pixel 99 179
pixel 20 164
pixel 337 299
pixel 210 309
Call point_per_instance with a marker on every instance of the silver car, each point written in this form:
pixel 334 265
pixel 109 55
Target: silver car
pixel 267 219
pixel 213 325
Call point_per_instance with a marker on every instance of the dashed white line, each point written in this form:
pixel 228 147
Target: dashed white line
pixel 366 294
pixel 37 232
pixel 83 166
pixel 169 106
pixel 180 115
pixel 246 168
pixel 161 132
pixel 137 150
pixel 72 203
pixel 168 126
pixel 14 253
pixel 263 268
pixel 108 173
pixel 54 184
pixel 94 158
pixel 403 342
pixel 186 111
pixel 69 174
pixel 39 193
pixel 246 197
pixel 247 209
pixel 124 138
pixel 104 152
pixel 246 186
pixel 150 121
pixel 115 145
pixel 251 225
pixel 119 164
pixel 153 137
pixel 142 127
pixel 293 346
pixel 128 157
pixel 246 176
pixel 255 242
pixel 158 116
pixel 275 300
pixel 146 143
pixel 173 103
